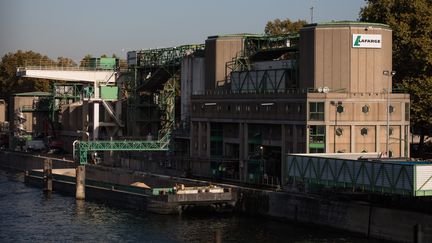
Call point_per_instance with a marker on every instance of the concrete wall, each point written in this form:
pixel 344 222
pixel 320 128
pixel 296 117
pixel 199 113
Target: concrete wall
pixel 219 51
pixel 359 217
pixel 22 161
pixel 328 58
pixel 2 111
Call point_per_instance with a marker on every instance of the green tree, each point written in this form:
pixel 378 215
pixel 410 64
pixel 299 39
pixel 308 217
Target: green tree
pixel 85 62
pixel 65 62
pixel 10 83
pixel 278 27
pixel 411 22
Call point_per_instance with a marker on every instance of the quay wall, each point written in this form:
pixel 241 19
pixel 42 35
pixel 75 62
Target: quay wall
pixel 359 217
pixel 27 161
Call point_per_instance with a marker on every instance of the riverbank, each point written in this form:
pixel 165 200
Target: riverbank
pixel 367 219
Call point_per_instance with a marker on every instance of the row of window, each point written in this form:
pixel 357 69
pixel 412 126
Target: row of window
pixel 316 110
pixel 259 107
pixel 364 131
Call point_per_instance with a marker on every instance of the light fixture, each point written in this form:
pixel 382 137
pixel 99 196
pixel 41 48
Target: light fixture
pixel 267 104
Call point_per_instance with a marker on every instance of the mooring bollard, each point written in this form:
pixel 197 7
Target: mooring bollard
pixel 47 175
pixel 80 182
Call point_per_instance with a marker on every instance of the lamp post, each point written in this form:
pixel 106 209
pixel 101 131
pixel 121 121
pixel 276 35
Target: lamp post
pixel 337 110
pixel 389 75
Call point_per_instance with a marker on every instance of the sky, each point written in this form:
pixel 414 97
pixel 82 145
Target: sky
pixel 75 28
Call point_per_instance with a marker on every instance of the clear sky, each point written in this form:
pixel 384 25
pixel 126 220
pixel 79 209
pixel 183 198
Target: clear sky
pixel 74 28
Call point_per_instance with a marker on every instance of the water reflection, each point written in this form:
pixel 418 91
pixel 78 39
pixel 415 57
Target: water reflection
pixel 28 215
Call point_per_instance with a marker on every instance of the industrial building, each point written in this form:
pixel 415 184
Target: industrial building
pixel 236 105
pixel 316 92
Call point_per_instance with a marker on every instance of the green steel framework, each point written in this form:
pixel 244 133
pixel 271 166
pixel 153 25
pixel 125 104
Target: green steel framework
pixel 158 88
pixel 83 147
pixel 254 45
pixel 379 177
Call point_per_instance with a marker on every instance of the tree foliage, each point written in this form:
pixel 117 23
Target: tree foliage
pixel 85 62
pixel 278 27
pixel 411 22
pixel 10 83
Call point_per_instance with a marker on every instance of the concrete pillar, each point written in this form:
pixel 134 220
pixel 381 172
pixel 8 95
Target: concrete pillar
pixel 294 138
pixel 118 110
pixel 353 139
pixel 328 149
pixel 378 139
pixel 200 142
pixel 85 117
pixel 47 175
pixel 245 150
pixel 418 234
pixel 95 121
pixel 208 140
pixel 80 182
pixel 283 153
pixel 192 148
pixel 96 111
pixel 241 154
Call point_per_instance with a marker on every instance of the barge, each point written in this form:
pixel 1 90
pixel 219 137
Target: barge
pixel 166 200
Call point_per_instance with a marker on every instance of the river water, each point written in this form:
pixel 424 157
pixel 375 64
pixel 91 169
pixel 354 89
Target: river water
pixel 27 215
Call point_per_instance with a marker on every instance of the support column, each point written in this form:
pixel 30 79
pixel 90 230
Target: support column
pixel 283 155
pixel 95 121
pixel 378 139
pixel 241 148
pixel 118 110
pixel 208 139
pixel 200 143
pixel 327 140
pixel 85 118
pixel 245 151
pixel 47 176
pixel 353 137
pixel 96 112
pixel 80 182
pixel 401 140
pixel 294 138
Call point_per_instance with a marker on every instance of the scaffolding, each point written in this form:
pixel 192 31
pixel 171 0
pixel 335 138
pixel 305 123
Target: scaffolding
pixel 264 48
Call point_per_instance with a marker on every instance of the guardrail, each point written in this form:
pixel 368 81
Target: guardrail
pixel 404 178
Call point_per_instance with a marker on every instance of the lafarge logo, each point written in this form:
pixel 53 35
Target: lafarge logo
pixel 366 41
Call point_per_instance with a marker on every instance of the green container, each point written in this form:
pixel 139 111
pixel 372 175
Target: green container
pixel 108 63
pixel 103 63
pixel 109 92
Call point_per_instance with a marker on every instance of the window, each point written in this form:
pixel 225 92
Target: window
pixel 407 111
pixel 287 108
pixel 316 139
pixel 390 131
pixel 339 131
pixel 228 108
pixel 391 109
pixel 316 111
pixel 299 109
pixel 364 131
pixel 365 109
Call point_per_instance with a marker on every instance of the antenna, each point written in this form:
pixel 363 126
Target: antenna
pixel 311 12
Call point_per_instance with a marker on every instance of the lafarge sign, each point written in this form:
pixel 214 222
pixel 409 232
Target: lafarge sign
pixel 366 41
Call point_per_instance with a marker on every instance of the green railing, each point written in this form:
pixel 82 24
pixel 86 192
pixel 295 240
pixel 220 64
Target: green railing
pixel 404 178
pixel 83 147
